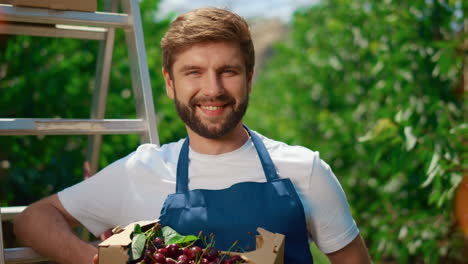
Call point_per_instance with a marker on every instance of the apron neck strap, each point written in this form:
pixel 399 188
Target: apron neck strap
pixel 182 165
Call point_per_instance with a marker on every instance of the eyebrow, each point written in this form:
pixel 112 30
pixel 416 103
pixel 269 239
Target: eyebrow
pixel 237 67
pixel 189 67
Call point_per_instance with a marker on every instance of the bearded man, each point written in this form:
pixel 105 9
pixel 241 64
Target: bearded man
pixel 223 178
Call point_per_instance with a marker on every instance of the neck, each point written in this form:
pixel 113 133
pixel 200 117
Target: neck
pixel 227 143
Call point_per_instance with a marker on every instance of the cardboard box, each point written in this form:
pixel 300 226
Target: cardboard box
pixel 82 5
pixel 269 246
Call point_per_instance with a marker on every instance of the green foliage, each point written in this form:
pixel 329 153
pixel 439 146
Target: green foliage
pixel 376 87
pixel 47 78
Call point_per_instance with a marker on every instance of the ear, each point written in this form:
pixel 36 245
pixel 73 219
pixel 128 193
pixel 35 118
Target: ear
pixel 249 81
pixel 169 83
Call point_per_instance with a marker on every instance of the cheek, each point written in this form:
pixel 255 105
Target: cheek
pixel 184 90
pixel 236 85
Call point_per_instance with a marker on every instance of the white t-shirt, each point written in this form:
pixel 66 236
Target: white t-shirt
pixel 134 188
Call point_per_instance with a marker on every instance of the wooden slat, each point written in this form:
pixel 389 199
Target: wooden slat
pixel 52 31
pixel 28 255
pixel 33 126
pixel 22 255
pixel 50 16
pixel 9 213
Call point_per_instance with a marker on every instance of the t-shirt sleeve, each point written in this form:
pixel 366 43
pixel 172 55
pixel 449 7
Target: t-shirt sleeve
pixel 330 223
pixel 96 202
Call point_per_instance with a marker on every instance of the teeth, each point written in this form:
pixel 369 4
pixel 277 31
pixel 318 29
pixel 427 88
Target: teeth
pixel 212 108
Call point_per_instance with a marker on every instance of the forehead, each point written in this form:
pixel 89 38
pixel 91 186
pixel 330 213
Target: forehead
pixel 209 54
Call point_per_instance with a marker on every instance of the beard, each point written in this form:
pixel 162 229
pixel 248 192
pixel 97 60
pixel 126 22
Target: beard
pixel 216 128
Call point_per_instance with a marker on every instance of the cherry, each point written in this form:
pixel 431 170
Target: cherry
pixel 160 258
pixel 170 261
pixel 158 242
pixel 148 257
pixel 193 252
pixel 151 247
pixel 163 251
pixel 182 259
pixel 211 253
pixel 173 250
pixel 236 259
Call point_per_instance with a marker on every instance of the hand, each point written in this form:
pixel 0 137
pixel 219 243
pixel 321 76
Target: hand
pixel 95 259
pixel 87 170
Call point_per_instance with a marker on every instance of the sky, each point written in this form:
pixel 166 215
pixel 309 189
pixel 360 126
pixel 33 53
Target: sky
pixel 282 9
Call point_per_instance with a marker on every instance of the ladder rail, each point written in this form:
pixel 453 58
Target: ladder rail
pixel 140 74
pixel 101 88
pixel 2 252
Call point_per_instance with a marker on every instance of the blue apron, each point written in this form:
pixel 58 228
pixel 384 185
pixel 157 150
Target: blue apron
pixel 236 212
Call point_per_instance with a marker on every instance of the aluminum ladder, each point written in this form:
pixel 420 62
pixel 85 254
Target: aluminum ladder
pixel 83 25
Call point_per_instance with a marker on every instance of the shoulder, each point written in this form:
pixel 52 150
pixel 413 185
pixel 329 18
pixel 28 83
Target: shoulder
pixel 150 154
pixel 302 165
pixel 282 152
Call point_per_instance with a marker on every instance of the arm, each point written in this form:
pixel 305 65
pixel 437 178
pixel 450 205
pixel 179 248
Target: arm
pixel 45 226
pixel 354 252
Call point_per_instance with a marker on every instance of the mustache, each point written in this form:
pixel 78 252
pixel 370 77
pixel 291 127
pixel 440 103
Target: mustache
pixel 224 98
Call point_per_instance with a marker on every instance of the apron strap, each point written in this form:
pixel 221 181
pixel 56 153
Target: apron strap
pixel 183 163
pixel 182 169
pixel 267 164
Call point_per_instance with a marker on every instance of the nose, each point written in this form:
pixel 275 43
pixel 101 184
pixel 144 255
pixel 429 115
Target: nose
pixel 213 85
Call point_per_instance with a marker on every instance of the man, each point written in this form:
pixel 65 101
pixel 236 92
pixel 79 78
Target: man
pixel 224 178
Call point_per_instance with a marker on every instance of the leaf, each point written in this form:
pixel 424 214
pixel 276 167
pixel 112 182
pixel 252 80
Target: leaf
pixel 410 138
pixel 171 236
pixel 138 244
pixel 433 169
pixel 137 229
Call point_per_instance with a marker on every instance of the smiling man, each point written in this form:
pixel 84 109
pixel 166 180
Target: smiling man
pixel 223 178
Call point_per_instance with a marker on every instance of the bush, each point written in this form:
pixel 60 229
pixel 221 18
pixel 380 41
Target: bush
pixel 377 88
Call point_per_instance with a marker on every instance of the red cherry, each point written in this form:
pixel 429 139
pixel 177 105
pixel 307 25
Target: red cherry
pixel 194 252
pixel 158 242
pixel 211 253
pixel 173 250
pixel 160 258
pixel 163 251
pixel 236 258
pixel 182 259
pixel 170 261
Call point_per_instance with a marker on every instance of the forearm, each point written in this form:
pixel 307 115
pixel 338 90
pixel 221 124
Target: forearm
pixel 354 253
pixel 43 228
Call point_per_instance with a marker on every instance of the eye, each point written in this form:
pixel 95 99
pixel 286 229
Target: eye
pixel 229 72
pixel 192 73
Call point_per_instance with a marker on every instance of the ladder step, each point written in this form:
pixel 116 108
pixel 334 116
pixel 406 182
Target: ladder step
pixel 34 126
pixel 50 16
pixel 28 255
pixel 22 255
pixel 9 213
pixel 58 31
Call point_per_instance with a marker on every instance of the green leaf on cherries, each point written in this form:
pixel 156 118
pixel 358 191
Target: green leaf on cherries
pixel 137 229
pixel 138 245
pixel 172 237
